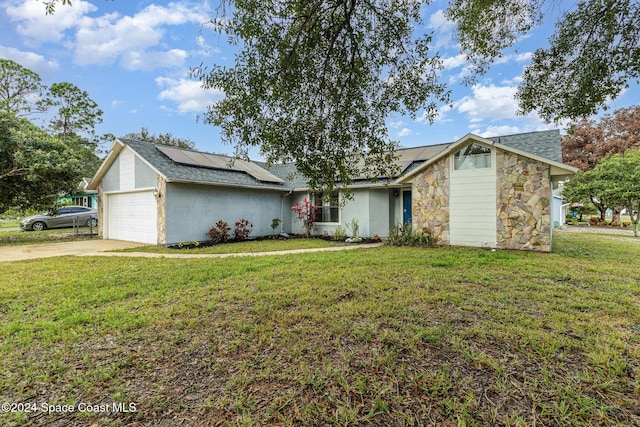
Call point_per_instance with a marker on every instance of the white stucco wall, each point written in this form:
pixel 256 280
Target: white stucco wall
pixel 375 209
pixel 191 210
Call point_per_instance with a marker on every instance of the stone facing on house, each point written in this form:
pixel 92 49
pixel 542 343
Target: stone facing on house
pixel 523 210
pixel 431 201
pixel 161 199
pixel 523 203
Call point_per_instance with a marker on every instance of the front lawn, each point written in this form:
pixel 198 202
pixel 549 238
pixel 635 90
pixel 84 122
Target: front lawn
pixel 387 336
pixel 243 247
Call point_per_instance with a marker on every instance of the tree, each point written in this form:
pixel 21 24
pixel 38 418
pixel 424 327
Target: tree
pixel 34 166
pixel 588 142
pixel 19 87
pixel 580 147
pixel 75 117
pixel 163 139
pixel 585 188
pixel 592 56
pixel 315 80
pixel 621 131
pixel 620 175
pixel 76 114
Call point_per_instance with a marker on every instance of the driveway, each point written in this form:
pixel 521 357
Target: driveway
pixel 46 250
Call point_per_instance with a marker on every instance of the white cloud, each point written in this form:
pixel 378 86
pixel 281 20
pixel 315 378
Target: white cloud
pixel 135 42
pixel 36 27
pixel 489 103
pixel 443 27
pixel 133 39
pixel 404 132
pixel 451 62
pixel 30 60
pixel 152 60
pixel 497 131
pixel 187 94
pixel 493 110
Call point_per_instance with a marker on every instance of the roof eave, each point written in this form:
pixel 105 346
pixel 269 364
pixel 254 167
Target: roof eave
pixel 221 184
pixel 115 150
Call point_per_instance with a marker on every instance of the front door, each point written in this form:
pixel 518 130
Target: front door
pixel 406 207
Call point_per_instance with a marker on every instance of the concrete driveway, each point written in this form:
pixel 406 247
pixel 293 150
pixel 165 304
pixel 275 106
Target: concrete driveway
pixel 46 250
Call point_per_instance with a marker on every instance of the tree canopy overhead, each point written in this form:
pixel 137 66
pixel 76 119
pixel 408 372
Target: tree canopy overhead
pixel 315 80
pixel 591 58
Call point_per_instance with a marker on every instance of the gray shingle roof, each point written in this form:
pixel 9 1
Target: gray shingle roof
pixel 544 144
pixel 179 172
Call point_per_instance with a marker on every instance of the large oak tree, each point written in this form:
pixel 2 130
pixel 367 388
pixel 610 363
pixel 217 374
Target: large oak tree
pixel 315 80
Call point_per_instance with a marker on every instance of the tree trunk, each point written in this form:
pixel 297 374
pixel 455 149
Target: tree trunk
pixel 634 218
pixel 616 215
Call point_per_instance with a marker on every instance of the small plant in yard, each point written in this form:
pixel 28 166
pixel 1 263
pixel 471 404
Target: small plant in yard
pixel 339 233
pixel 242 230
pixel 305 214
pixel 354 227
pixel 275 223
pixel 189 244
pixel 220 232
pixel 404 235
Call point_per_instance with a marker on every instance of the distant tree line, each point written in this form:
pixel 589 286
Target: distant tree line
pixel 608 156
pixel 40 163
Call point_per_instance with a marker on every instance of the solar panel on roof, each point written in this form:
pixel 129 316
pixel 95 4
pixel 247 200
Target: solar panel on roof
pixel 213 161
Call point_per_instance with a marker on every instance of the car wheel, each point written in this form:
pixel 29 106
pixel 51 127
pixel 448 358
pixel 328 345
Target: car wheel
pixel 92 222
pixel 39 226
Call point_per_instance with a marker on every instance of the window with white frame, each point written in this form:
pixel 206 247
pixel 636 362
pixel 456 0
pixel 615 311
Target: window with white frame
pixel 473 156
pixel 328 209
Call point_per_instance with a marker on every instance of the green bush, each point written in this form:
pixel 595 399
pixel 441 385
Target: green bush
pixel 339 233
pixel 404 235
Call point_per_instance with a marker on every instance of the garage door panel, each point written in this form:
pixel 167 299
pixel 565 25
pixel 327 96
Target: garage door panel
pixel 132 217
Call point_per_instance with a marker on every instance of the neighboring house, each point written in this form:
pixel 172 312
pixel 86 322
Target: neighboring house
pixel 560 208
pixel 163 195
pixel 82 196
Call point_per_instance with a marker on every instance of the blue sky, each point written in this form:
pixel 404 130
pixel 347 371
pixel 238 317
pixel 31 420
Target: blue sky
pixel 133 58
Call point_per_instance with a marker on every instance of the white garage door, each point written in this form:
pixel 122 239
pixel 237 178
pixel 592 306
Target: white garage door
pixel 132 217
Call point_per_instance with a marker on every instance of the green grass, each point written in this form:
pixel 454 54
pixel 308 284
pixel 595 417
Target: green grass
pixel 9 224
pixel 20 237
pixel 388 336
pixel 241 247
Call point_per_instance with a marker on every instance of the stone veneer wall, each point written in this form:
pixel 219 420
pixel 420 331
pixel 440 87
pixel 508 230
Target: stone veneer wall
pixel 431 201
pixel 523 205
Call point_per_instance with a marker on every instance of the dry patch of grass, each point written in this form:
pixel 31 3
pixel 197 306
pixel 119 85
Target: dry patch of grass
pixel 388 336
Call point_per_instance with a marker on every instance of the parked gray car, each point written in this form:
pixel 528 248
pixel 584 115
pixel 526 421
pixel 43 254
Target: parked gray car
pixel 65 216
